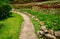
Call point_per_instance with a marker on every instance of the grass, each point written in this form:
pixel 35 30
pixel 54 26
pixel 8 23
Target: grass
pixel 11 27
pixel 48 18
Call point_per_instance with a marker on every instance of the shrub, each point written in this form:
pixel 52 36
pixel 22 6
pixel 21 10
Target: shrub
pixel 4 11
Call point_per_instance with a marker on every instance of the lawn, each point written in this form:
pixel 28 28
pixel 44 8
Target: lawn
pixel 11 27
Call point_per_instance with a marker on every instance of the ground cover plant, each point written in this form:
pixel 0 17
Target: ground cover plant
pixel 10 28
pixel 50 19
pixel 4 9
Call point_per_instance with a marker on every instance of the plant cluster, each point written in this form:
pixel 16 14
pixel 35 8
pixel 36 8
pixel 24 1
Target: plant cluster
pixel 4 9
pixel 50 19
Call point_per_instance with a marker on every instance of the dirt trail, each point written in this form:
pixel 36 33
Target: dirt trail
pixel 27 30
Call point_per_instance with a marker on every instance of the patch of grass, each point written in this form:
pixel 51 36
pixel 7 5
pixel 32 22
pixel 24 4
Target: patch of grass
pixel 11 26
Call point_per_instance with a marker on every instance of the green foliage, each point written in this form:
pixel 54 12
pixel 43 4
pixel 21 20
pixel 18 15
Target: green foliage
pixel 11 27
pixel 50 19
pixel 56 28
pixel 21 0
pixel 4 9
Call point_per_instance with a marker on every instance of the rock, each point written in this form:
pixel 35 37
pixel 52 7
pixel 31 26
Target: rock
pixel 41 23
pixel 51 32
pixel 36 19
pixel 57 33
pixel 50 36
pixel 40 33
pixel 44 28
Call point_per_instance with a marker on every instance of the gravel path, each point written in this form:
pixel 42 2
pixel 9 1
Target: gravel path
pixel 27 30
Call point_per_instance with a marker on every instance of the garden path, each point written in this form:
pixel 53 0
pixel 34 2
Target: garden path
pixel 27 29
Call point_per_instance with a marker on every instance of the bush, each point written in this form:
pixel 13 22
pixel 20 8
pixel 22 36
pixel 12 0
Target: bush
pixel 4 11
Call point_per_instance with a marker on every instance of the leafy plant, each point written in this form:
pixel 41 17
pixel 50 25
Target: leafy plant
pixel 50 18
pixel 4 10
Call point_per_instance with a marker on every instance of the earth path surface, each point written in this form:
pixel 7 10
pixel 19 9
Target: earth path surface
pixel 27 29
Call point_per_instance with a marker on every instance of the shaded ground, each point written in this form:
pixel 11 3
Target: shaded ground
pixel 27 30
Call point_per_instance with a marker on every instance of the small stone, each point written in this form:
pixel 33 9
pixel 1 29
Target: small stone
pixel 40 33
pixel 50 36
pixel 44 28
pixel 41 23
pixel 51 32
pixel 57 33
pixel 36 19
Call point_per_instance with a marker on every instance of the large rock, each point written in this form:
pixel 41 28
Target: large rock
pixel 43 28
pixel 50 36
pixel 57 33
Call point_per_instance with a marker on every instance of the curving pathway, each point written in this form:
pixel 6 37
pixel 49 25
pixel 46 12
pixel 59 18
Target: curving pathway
pixel 27 30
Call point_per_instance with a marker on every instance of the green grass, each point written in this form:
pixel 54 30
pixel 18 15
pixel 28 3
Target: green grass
pixel 12 27
pixel 48 18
